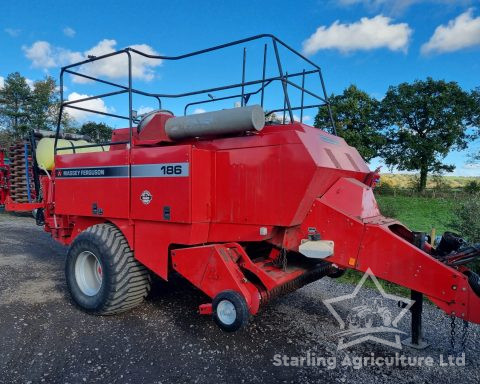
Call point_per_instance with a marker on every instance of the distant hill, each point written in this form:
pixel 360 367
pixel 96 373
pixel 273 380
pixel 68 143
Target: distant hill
pixel 405 181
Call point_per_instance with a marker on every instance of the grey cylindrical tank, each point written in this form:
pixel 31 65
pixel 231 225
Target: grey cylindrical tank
pixel 226 121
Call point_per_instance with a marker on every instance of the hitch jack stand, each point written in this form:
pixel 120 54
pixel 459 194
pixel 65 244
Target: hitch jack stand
pixel 416 341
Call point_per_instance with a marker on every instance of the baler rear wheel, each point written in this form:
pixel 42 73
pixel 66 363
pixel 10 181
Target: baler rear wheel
pixel 102 275
pixel 230 311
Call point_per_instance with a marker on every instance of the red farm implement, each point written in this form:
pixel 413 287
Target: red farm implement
pixel 4 177
pixel 20 189
pixel 244 210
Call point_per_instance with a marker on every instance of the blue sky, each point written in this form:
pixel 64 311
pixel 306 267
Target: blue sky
pixel 370 43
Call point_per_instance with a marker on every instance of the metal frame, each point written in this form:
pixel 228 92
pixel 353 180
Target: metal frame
pixel 284 78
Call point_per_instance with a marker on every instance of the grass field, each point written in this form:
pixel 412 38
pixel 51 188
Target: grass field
pixel 417 213
pixel 399 180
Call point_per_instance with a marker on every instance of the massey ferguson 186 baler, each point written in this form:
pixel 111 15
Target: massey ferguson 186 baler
pixel 245 211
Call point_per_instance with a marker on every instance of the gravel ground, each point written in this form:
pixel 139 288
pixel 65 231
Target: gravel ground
pixel 44 338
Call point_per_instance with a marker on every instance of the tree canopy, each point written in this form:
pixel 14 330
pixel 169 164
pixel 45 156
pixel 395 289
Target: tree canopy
pixel 476 119
pixel 98 132
pixel 25 107
pixel 357 120
pixel 15 97
pixel 425 120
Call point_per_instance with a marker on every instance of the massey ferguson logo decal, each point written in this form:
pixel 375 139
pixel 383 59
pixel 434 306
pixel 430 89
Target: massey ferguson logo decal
pixel 92 172
pixel 146 197
pixel 82 172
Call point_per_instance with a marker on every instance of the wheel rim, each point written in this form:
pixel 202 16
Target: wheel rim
pixel 226 312
pixel 88 273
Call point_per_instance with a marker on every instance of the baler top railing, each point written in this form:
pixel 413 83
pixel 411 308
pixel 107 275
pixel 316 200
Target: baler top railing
pixel 282 77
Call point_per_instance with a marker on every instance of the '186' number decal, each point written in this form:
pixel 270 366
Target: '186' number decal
pixel 161 170
pixel 171 169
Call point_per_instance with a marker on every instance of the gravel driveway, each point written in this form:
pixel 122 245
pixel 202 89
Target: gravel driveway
pixel 44 338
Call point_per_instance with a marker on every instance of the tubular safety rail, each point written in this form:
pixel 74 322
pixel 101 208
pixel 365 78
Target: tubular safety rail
pixel 283 77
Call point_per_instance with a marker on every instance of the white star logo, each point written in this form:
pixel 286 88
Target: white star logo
pixel 362 318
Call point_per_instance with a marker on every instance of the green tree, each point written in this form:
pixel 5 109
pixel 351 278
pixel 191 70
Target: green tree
pixel 98 132
pixel 357 120
pixel 426 120
pixel 465 219
pixel 41 106
pixel 15 97
pixel 472 187
pixel 44 107
pixel 476 119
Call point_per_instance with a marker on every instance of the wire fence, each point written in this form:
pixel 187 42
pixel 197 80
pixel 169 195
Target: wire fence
pixel 432 193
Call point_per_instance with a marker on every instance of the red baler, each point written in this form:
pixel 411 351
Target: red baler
pixel 243 210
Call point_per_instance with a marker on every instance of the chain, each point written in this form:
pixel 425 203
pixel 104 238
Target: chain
pixel 452 333
pixel 464 335
pixel 281 260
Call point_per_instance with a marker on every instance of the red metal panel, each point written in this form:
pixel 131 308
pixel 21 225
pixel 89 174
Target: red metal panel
pixel 261 185
pixel 377 244
pixel 213 269
pixel 222 232
pixel 4 176
pixel 75 196
pixel 345 231
pixel 353 198
pixel 202 172
pixel 153 240
pixel 169 191
pixel 11 206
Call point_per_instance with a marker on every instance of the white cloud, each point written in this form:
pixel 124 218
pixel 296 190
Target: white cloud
pixel 2 82
pixel 95 104
pixel 279 117
pixel 462 32
pixel 29 83
pixel 144 110
pixel 13 32
pixel 44 55
pixel 468 169
pixel 69 32
pixel 366 34
pixel 199 110
pixel 116 66
pixel 397 6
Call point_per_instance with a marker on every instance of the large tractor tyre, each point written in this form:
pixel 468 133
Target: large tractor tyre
pixel 230 311
pixel 102 275
pixel 474 281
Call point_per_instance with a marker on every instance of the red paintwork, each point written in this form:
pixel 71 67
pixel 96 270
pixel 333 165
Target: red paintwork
pixel 4 178
pixel 12 206
pixel 215 268
pixel 5 185
pixel 272 187
pixel 379 244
